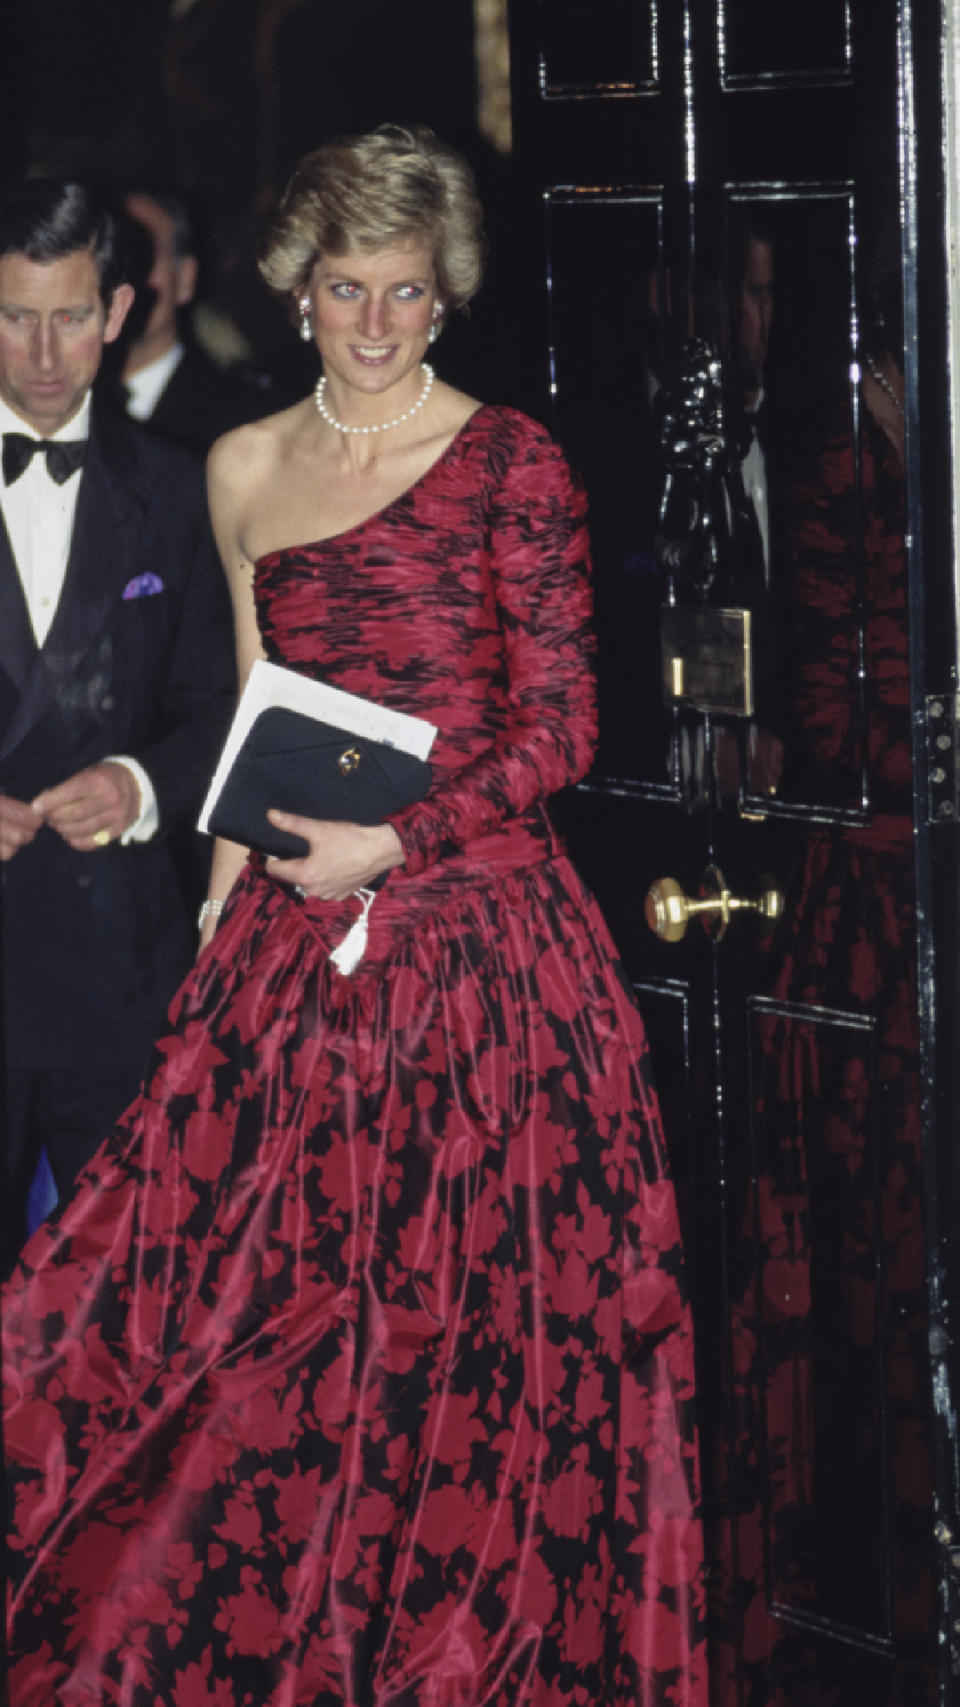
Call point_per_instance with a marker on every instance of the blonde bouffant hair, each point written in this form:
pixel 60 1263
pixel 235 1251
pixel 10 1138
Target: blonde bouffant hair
pixel 391 187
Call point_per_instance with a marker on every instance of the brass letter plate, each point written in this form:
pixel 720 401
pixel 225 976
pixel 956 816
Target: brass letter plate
pixel 706 659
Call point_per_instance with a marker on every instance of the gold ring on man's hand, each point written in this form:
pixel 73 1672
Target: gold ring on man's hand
pixel 101 838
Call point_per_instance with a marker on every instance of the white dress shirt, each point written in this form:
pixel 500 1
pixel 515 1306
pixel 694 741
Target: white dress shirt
pixel 39 516
pixel 754 469
pixel 144 388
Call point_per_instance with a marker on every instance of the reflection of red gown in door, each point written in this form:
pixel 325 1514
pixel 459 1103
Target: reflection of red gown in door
pixel 831 1333
pixel 359 1370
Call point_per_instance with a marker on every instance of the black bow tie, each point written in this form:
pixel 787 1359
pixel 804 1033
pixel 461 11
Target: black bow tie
pixel 63 456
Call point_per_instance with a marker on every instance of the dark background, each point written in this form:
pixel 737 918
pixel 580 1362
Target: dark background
pixel 220 98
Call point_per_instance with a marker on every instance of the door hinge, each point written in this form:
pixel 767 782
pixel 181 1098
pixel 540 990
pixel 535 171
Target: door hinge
pixel 943 770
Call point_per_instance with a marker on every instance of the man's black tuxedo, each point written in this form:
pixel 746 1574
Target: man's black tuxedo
pixel 138 661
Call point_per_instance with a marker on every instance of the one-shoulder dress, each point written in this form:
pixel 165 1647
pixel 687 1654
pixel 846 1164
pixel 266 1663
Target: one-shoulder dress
pixel 358 1371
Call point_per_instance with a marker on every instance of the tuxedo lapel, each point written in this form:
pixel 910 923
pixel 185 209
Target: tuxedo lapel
pixel 18 646
pixel 103 552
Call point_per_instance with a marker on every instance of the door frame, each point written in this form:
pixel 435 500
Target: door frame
pixel 930 184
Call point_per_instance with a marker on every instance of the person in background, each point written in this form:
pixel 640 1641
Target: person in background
pixel 170 383
pixel 847 938
pixel 361 1370
pixel 753 319
pixel 116 684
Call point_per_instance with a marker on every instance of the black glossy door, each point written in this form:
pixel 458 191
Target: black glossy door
pixel 766 178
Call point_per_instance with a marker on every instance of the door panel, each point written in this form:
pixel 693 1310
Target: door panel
pixel 823 1447
pixel 593 236
pixel 728 170
pixel 606 46
pixel 760 44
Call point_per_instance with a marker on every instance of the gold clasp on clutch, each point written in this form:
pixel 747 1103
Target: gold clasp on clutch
pixel 349 760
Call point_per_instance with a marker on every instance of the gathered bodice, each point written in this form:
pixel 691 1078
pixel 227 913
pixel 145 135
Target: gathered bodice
pixel 465 601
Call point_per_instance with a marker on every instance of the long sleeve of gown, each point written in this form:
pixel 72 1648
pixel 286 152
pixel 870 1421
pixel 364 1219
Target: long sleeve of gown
pixel 540 658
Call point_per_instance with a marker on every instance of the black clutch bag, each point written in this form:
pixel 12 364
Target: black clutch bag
pixel 294 763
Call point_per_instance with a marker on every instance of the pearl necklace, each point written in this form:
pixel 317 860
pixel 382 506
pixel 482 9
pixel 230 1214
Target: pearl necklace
pixel 884 384
pixel 384 426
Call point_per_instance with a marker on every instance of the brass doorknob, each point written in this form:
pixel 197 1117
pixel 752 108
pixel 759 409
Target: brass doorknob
pixel 668 910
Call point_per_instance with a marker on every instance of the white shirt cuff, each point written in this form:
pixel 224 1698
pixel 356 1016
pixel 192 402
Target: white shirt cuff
pixel 147 821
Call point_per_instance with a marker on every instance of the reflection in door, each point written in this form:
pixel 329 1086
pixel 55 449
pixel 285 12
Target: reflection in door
pixel 828 1332
pixel 740 185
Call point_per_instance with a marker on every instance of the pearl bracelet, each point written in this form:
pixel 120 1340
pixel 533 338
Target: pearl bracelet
pixel 209 910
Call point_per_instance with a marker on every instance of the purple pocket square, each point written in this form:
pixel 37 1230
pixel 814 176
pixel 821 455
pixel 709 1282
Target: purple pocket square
pixel 143 586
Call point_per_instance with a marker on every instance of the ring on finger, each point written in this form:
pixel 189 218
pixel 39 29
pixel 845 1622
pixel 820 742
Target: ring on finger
pixel 101 838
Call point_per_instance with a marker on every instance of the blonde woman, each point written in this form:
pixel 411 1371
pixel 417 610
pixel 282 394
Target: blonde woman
pixel 371 1315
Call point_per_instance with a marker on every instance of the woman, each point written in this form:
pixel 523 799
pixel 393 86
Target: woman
pixel 836 1302
pixel 371 1313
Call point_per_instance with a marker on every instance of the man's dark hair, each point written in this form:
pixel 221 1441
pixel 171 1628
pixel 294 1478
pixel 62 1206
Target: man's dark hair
pixel 46 220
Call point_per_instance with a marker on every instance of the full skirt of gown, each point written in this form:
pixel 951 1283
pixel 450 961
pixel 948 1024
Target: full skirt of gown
pixel 358 1371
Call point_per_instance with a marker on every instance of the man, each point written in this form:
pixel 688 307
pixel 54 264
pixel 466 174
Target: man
pixel 753 305
pixel 172 386
pixel 116 686
pixel 754 314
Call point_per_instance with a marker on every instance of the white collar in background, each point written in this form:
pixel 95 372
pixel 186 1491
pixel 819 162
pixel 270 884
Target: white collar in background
pixel 145 386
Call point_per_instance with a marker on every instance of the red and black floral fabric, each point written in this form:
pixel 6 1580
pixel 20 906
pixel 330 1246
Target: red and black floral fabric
pixel 832 1451
pixel 358 1371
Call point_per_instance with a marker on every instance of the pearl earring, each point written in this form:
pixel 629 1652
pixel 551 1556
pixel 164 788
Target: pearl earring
pixel 435 323
pixel 306 325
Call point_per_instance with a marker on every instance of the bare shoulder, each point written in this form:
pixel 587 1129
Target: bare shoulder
pixel 248 480
pixel 457 407
pixel 252 452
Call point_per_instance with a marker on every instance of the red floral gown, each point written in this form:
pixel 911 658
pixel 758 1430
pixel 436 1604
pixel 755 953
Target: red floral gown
pixel 358 1371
